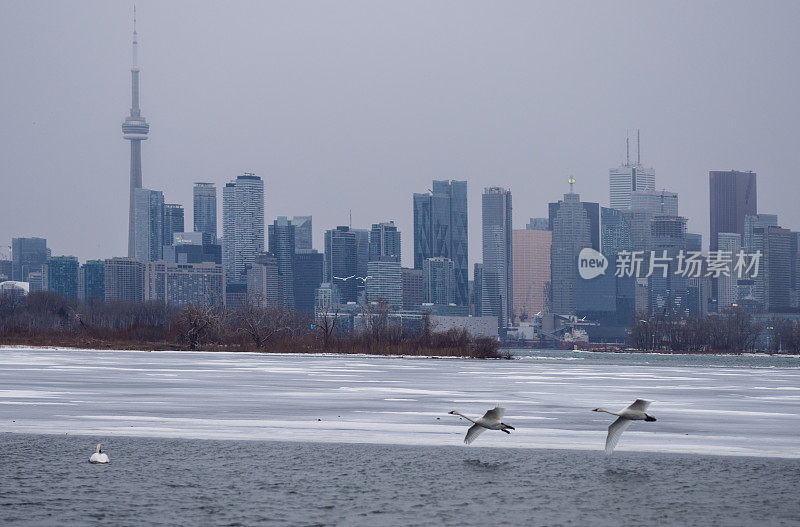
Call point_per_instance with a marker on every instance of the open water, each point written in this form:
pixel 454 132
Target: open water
pixel 248 439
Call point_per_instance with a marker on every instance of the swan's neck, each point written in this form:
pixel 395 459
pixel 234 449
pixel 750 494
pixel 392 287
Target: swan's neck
pixel 609 412
pixel 465 417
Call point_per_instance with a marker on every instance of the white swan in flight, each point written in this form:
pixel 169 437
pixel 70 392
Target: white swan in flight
pixel 634 412
pixel 491 420
pixel 98 456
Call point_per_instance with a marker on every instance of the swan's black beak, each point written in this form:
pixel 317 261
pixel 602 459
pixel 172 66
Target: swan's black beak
pixel 453 412
pixel 649 418
pixel 596 410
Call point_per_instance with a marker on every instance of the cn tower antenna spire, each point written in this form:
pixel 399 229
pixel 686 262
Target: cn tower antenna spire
pixel 135 40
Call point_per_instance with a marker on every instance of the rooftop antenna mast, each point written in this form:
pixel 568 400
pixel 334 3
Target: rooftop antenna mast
pixel 351 218
pixel 627 150
pixel 638 150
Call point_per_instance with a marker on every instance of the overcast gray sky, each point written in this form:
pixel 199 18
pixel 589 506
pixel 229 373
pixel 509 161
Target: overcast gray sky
pixel 356 105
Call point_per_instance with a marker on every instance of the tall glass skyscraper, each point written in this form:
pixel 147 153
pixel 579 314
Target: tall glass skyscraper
pixel 575 225
pixel 242 225
pixel 440 229
pixel 384 240
pixel 733 195
pixel 341 262
pixel 148 224
pixel 531 249
pixel 61 276
pixel 303 233
pixel 205 208
pixel 173 221
pixel 282 245
pixel 498 259
pixel 27 255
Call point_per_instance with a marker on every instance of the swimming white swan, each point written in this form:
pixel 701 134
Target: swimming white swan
pixel 634 412
pixel 489 421
pixel 98 456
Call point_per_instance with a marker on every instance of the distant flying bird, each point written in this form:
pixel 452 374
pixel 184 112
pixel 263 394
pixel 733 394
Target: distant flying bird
pixel 634 412
pixel 98 456
pixel 489 421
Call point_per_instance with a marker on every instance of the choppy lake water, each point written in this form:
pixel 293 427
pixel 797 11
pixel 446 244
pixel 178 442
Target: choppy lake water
pixel 247 439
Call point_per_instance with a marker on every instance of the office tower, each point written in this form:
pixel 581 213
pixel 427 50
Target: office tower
pixel 645 205
pixel 477 288
pixel 5 270
pixel 694 241
pixel 772 285
pixel 149 224
pixel 308 267
pixel 92 281
pixel 384 281
pixel 173 221
pixel 204 209
pixel 628 178
pixel 531 249
pixel 384 240
pixel 658 202
pixel 733 195
pixel 60 275
pixel 264 281
pixel 412 289
pixel 303 233
pixel 575 225
pixel 756 221
pixel 282 245
pixel 326 299
pixel 124 279
pixel 242 225
pixel 340 262
pixel 668 294
pixel 135 130
pixel 27 255
pixel 438 280
pixel 362 253
pixel 498 265
pixel 235 295
pixel 193 247
pixel 727 285
pixel 538 224
pixel 181 284
pixel 440 229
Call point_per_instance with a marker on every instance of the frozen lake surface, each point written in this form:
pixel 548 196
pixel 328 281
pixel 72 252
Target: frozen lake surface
pixel 747 406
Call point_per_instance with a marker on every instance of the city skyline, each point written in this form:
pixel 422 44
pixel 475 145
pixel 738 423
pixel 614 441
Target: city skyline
pixel 531 152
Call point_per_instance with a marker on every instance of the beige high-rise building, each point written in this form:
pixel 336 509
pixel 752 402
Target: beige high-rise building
pixel 531 255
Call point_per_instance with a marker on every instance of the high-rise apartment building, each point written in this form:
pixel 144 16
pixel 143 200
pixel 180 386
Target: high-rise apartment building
pixel 264 281
pixel 60 275
pixel 124 279
pixel 477 290
pixel 173 221
pixel 134 129
pixel 412 289
pixel 773 283
pixel 498 263
pixel 27 255
pixel 628 178
pixel 531 248
pixel 384 281
pixel 668 288
pixel 440 229
pixel 92 281
pixel 438 280
pixel 180 284
pixel 753 222
pixel 204 209
pixel 303 233
pixel 282 245
pixel 149 224
pixel 733 195
pixel 384 240
pixel 362 254
pixel 242 225
pixel 5 270
pixel 193 247
pixel 341 262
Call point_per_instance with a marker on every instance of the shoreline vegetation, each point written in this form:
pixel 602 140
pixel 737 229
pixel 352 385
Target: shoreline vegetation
pixel 48 319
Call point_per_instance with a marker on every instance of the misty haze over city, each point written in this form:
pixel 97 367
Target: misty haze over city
pixel 355 106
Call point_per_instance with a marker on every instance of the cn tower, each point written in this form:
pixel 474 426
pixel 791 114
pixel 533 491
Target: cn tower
pixel 134 129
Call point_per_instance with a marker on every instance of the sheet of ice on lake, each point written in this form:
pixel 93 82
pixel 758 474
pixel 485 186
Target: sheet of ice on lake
pixel 712 410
